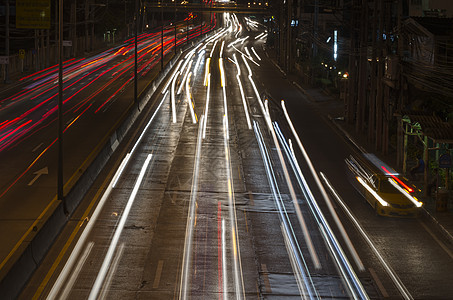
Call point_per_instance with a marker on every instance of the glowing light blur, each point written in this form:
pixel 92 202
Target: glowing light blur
pixel 112 247
pixel 372 192
pixel 405 193
pixel 189 100
pixel 403 290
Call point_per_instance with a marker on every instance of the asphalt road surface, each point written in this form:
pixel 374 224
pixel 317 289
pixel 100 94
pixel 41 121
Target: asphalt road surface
pixel 98 90
pixel 210 200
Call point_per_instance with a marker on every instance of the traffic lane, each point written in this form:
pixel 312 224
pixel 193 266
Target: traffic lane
pixel 407 238
pixel 318 139
pixel 36 198
pixel 136 236
pixel 329 268
pixel 92 195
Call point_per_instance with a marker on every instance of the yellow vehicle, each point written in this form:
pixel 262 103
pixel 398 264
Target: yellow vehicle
pixel 384 189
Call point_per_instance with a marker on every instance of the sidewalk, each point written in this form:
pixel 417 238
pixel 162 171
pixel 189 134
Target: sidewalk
pixel 333 107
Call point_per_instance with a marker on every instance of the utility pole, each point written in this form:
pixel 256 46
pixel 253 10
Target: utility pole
pixel 372 99
pixel 135 56
pixel 7 41
pixel 175 24
pixel 288 36
pixel 162 39
pixel 380 75
pixel 362 68
pixel 60 191
pixel 315 30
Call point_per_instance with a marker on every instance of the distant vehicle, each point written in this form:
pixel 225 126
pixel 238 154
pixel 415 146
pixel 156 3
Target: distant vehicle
pixel 383 188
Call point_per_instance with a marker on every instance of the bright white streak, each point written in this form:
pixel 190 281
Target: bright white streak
pixel 184 78
pixel 263 37
pixel 78 247
pixel 223 83
pixel 206 71
pixel 372 192
pixel 247 51
pixel 244 103
pixel 221 49
pixel 405 193
pixel 186 261
pixel 247 65
pixel 259 35
pixel 293 260
pixel 232 210
pixel 213 48
pixel 164 90
pixel 294 246
pixel 200 56
pixel 300 217
pixel 108 257
pixel 256 54
pixel 322 189
pixel 173 101
pixel 76 272
pixel 112 270
pixel 208 91
pixel 189 100
pixel 121 168
pixel 403 290
pixel 224 267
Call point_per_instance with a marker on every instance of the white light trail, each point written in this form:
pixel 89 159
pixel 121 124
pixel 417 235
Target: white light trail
pixel 294 247
pixel 164 90
pixel 187 256
pixel 259 35
pixel 405 193
pixel 244 103
pixel 200 56
pixel 62 278
pixel 208 91
pixel 108 257
pixel 221 49
pixel 173 101
pixel 206 71
pixel 121 169
pixel 299 215
pixel 335 245
pixel 372 192
pixel 232 212
pixel 189 100
pixel 224 267
pixel 256 54
pixel 184 78
pixel 76 272
pixel 403 290
pixel 223 84
pixel 213 48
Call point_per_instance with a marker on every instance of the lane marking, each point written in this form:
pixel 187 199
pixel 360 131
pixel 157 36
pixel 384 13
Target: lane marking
pixel 43 171
pixel 252 203
pixel 378 282
pixel 442 245
pixel 37 147
pixel 160 265
pixel 267 284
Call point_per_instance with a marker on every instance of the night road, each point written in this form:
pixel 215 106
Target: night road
pixel 221 190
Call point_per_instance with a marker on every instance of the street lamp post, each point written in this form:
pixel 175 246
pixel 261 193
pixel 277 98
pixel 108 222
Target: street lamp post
pixel 135 58
pixel 162 38
pixel 60 191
